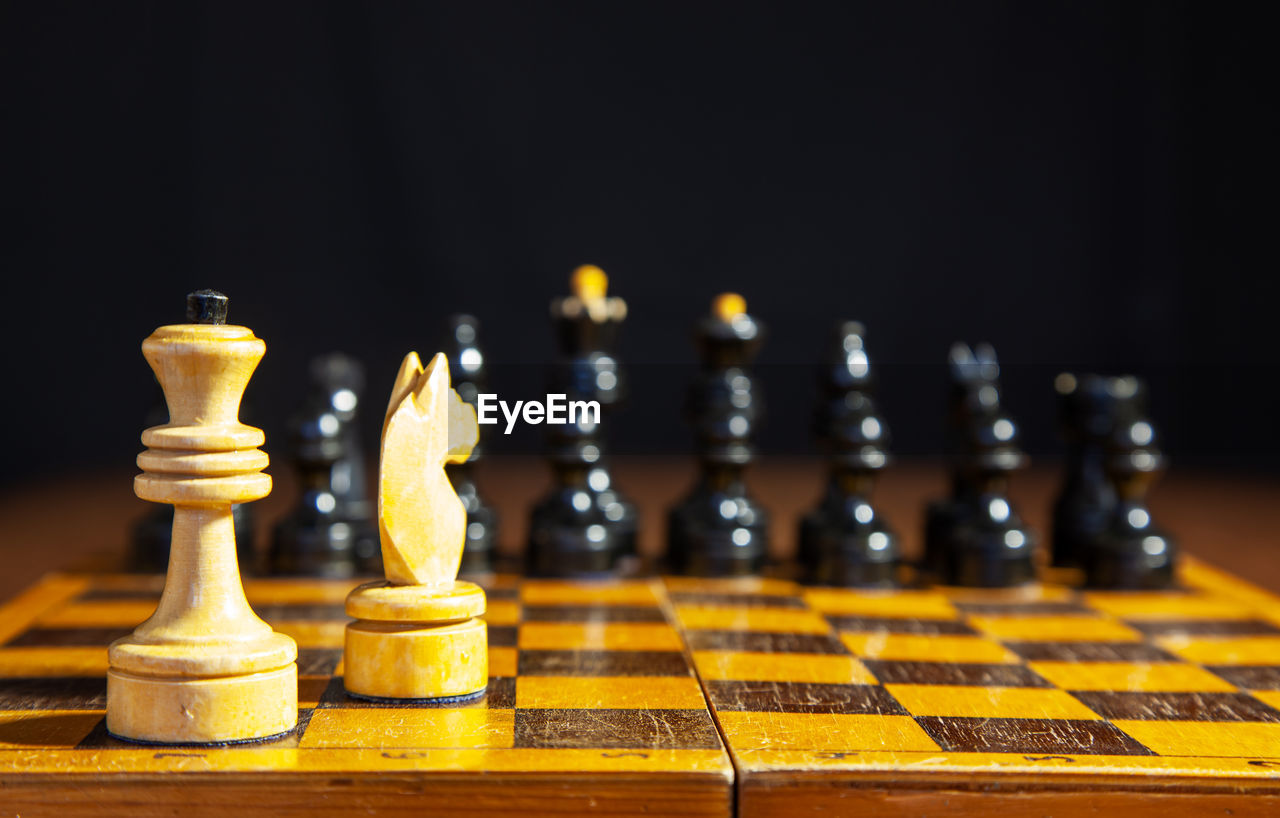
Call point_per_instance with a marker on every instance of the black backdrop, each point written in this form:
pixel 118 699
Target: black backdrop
pixel 1085 185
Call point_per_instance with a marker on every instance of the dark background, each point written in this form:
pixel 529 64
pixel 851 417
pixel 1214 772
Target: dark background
pixel 1086 185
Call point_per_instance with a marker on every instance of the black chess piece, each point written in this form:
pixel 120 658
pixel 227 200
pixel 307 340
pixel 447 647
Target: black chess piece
pixel 467 372
pixel 152 534
pixel 719 530
pixel 974 387
pixel 1131 552
pixel 584 527
pixel 330 532
pixel 844 541
pixel 976 537
pixel 1088 408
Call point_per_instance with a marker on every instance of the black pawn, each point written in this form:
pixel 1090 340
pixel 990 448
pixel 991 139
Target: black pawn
pixel 330 532
pixel 844 541
pixel 719 530
pixel 1088 407
pixel 974 386
pixel 1131 552
pixel 976 537
pixel 584 527
pixel 467 373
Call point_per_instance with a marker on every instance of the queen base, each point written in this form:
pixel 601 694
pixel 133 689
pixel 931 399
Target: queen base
pixel 416 642
pixel 202 711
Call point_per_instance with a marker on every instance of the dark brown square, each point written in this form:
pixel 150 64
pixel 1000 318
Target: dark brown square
pixel 639 730
pixel 318 661
pixel 762 642
pixel 68 637
pixel 1042 608
pixel 502 636
pixel 100 739
pixel 1090 652
pixel 1250 677
pixel 736 600
pixel 592 613
pixel 54 693
pixel 1177 706
pixel 873 624
pixel 954 673
pixel 602 663
pixel 1204 627
pixel 501 693
pixel 802 697
pixel 1038 736
pixel 302 613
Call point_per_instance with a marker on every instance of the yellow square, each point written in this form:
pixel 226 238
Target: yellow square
pixel 781 667
pixel 1271 697
pixel 115 613
pixel 274 591
pixel 502 661
pixel 773 620
pixel 989 702
pixel 556 592
pixel 52 661
pixel 598 636
pixel 1055 628
pixel 1017 595
pixel 1237 739
pixel 915 647
pixel 1242 650
pixel 313 634
pixel 502 612
pixel 1156 605
pixel 29 729
pixel 1165 677
pixel 679 692
pixel 835 732
pixel 915 604
pixel 373 727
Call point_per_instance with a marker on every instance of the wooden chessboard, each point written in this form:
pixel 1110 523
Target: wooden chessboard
pixel 684 696
pixel 1037 701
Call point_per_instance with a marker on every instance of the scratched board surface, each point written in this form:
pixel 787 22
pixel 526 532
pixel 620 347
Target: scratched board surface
pixel 591 704
pixel 1032 688
pixel 622 698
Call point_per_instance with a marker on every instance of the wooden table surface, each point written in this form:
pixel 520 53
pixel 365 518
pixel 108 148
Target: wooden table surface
pixel 1230 521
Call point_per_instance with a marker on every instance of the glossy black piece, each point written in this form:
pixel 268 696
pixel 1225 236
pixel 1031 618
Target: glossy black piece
pixel 468 376
pixel 844 541
pixel 207 307
pixel 584 527
pixel 976 537
pixel 719 529
pixel 1131 552
pixel 1089 406
pixel 330 533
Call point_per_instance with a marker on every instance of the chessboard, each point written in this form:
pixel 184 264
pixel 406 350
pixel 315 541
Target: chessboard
pixel 685 696
pixel 591 707
pixel 1041 700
